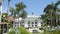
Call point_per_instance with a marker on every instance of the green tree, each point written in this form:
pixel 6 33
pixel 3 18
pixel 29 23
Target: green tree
pixel 23 14
pixel 4 17
pixel 51 10
pixel 19 10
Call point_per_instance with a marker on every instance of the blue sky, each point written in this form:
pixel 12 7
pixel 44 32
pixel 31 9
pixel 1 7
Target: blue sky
pixel 35 6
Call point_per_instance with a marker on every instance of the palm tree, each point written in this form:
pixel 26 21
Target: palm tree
pixel 8 7
pixel 48 11
pixel 8 12
pixel 56 10
pixel 18 11
pixel 51 10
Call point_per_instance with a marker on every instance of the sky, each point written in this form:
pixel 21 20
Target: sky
pixel 35 6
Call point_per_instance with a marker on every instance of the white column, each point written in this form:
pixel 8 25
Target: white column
pixel 0 12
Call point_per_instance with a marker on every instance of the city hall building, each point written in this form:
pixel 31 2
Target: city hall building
pixel 31 22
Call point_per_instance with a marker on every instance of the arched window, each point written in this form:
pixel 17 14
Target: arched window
pixel 32 22
pixel 28 22
pixel 35 21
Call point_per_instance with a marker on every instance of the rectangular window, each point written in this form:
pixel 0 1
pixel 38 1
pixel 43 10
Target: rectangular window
pixel 32 22
pixel 35 22
pixel 35 25
pixel 28 22
pixel 23 25
pixel 28 25
pixel 41 22
pixel 16 23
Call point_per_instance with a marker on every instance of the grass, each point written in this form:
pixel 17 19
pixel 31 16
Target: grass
pixel 51 32
pixel 56 32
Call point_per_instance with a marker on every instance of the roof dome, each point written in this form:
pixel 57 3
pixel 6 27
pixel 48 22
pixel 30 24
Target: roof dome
pixel 33 16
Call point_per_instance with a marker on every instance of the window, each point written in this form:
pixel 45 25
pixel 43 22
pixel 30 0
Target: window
pixel 28 22
pixel 22 21
pixel 35 31
pixel 16 23
pixel 23 25
pixel 41 22
pixel 35 25
pixel 41 25
pixel 32 23
pixel 35 21
pixel 28 25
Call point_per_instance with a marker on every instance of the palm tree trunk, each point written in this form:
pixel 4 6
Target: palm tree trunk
pixel 56 19
pixel 14 19
pixel 51 23
pixel 8 7
pixel 8 13
pixel 57 22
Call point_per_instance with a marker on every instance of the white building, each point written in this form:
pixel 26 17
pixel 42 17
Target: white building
pixel 31 22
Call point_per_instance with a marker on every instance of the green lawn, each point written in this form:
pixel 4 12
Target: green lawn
pixel 51 32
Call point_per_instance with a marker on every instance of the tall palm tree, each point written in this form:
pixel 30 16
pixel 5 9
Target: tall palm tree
pixel 18 11
pixel 51 10
pixel 56 10
pixel 48 11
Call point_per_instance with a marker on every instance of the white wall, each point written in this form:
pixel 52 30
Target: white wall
pixel 32 20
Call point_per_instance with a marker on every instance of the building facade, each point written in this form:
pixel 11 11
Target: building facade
pixel 31 22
